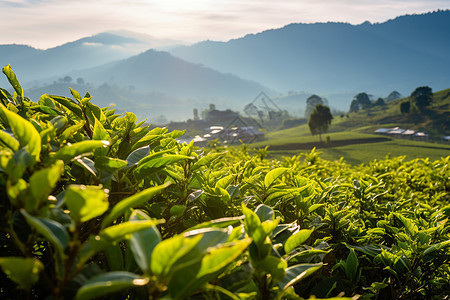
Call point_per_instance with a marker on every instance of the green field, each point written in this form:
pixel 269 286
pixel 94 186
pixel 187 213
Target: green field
pixel 354 147
pixel 364 153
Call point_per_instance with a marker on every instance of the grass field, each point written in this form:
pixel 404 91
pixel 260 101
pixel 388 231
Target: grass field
pixel 355 147
pixel 364 153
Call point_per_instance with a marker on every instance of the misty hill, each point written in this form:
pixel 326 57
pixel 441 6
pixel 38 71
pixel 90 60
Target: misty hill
pixel 154 83
pixel 162 72
pixel 38 65
pixel 333 58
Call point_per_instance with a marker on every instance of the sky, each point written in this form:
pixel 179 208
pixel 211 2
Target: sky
pixel 48 23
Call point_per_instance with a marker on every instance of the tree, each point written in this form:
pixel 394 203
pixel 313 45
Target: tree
pixel 379 102
pixel 80 81
pixel 360 101
pixel 405 107
pixel 320 120
pixel 422 97
pixel 311 103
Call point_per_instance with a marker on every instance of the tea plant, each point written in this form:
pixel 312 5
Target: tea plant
pixel 94 203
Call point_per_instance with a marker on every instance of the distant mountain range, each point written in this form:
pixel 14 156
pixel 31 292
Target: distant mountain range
pixel 333 60
pixel 324 58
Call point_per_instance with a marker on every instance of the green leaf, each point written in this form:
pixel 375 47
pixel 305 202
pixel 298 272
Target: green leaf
pixel 410 227
pixel 146 141
pixel 100 133
pixel 273 175
pixel 24 132
pixel 138 154
pixel 370 250
pixel 132 201
pixel 46 100
pixel 7 70
pixel 53 231
pixel 297 239
pixel 274 266
pixel 111 282
pixel 71 151
pixel 351 265
pixel 42 184
pixel 169 251
pixel 69 104
pixel 68 132
pixel 206 160
pixel 109 164
pixel 436 247
pixel 264 212
pixel 188 280
pixel 251 220
pixel 177 210
pixel 151 166
pixel 113 234
pixel 9 141
pixel 218 223
pixel 75 94
pixel 297 273
pixel 143 242
pixel 23 271
pixel 86 202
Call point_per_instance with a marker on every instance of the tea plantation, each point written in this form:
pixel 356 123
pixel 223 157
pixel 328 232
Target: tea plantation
pixel 95 205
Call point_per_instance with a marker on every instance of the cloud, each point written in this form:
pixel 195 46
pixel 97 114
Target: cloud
pixel 46 23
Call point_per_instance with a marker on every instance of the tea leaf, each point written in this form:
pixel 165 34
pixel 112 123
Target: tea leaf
pixel 23 271
pixel 53 231
pixel 144 241
pixel 71 151
pixel 132 201
pixel 297 273
pixel 7 70
pixel 24 131
pixel 273 175
pixel 107 283
pixel 297 239
pixel 85 202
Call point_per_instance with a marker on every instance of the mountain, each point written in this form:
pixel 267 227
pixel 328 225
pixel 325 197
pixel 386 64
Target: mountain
pixel 338 58
pixel 35 65
pixel 155 82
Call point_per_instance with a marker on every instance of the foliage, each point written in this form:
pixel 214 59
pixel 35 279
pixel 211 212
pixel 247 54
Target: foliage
pixel 405 107
pixel 360 101
pixel 422 97
pixel 320 120
pixel 105 206
pixel 311 103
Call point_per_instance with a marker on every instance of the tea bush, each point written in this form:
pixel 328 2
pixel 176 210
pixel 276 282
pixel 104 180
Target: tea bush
pixel 94 204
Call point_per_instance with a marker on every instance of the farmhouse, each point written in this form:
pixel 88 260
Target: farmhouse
pixel 400 133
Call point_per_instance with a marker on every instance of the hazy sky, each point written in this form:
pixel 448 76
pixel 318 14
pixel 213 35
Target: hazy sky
pixel 48 23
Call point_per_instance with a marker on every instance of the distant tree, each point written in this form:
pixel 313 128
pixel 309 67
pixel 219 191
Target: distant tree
pixel 422 97
pixel 394 95
pixel 405 107
pixel 67 79
pixel 379 102
pixel 360 101
pixel 80 81
pixel 320 120
pixel 311 103
pixel 364 100
pixel 354 106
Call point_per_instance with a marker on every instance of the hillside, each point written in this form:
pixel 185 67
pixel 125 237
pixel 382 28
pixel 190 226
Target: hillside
pixel 155 83
pixel 434 121
pixel 352 135
pixel 338 58
pixel 35 65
